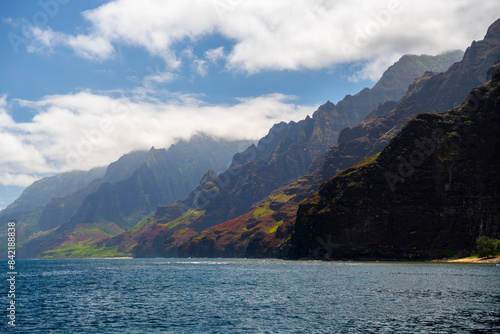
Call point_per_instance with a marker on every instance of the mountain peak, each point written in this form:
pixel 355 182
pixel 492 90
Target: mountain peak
pixel 328 104
pixel 209 176
pixel 413 66
pixel 366 212
pixel 493 30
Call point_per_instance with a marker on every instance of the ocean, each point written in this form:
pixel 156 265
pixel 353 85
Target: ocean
pixel 251 296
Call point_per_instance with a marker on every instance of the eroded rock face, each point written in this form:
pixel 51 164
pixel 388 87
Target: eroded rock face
pixel 265 230
pixel 434 189
pixel 258 179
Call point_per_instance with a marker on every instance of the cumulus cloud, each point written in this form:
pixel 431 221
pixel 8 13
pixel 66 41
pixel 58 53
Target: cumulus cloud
pixel 201 67
pixel 213 55
pixel 88 129
pixel 92 47
pixel 282 34
pixel 158 78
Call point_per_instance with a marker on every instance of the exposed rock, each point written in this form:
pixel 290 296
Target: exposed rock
pixel 355 144
pixel 291 156
pixel 434 189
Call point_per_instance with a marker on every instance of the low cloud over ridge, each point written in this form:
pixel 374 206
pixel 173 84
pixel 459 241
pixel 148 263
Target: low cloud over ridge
pixel 87 129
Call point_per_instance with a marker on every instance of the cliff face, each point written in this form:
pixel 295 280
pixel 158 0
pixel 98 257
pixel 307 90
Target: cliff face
pixel 433 92
pixel 281 157
pixel 60 209
pixel 132 188
pixel 434 189
pixel 279 162
pixel 264 231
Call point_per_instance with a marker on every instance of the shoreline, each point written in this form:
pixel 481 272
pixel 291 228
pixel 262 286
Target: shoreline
pixel 472 260
pixel 489 260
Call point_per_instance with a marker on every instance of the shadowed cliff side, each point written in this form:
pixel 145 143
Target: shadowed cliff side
pixel 434 189
pixel 265 230
pixel 287 152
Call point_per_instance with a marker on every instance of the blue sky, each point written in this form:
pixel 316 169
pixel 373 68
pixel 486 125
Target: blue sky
pixel 32 75
pixel 84 82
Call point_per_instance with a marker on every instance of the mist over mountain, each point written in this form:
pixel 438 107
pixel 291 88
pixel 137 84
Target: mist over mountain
pixel 249 235
pixel 61 185
pixel 131 188
pixel 282 156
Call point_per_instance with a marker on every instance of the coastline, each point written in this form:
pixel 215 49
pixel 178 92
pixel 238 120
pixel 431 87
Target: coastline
pixel 490 260
pixel 476 260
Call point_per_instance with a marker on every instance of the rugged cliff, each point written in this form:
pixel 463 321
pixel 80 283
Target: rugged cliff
pixel 265 230
pixel 131 190
pixel 287 152
pixel 434 189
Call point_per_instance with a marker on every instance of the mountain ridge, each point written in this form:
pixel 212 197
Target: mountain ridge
pixel 132 188
pixel 356 144
pixel 249 181
pixel 432 190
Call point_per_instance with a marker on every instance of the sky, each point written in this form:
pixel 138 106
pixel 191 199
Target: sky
pixel 84 82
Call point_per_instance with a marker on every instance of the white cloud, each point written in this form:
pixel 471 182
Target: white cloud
pixel 43 40
pixel 200 67
pixel 86 129
pixel 282 34
pixel 22 180
pixel 91 47
pixel 213 55
pixel 158 78
pixel 373 69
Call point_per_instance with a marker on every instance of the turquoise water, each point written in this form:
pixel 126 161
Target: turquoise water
pixel 252 296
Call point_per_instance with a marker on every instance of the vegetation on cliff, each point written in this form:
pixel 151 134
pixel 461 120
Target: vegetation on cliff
pixel 355 144
pixel 487 246
pixel 433 190
pixel 283 156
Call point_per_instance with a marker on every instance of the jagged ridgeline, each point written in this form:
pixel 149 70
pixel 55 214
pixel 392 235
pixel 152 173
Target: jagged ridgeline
pixel 265 230
pixel 250 208
pixel 432 190
pixel 281 157
pixel 79 207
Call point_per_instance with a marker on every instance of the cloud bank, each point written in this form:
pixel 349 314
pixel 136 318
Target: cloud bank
pixel 88 129
pixel 279 34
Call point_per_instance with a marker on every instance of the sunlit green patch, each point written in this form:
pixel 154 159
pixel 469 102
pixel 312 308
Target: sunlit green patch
pixel 282 198
pixel 186 218
pixel 263 210
pixel 275 227
pixel 83 250
pixel 184 230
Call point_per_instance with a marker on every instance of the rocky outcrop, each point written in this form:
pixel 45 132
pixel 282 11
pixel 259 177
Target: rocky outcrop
pixel 288 151
pixel 355 144
pixel 434 189
pixel 130 191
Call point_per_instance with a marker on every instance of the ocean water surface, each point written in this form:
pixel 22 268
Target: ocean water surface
pixel 252 296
